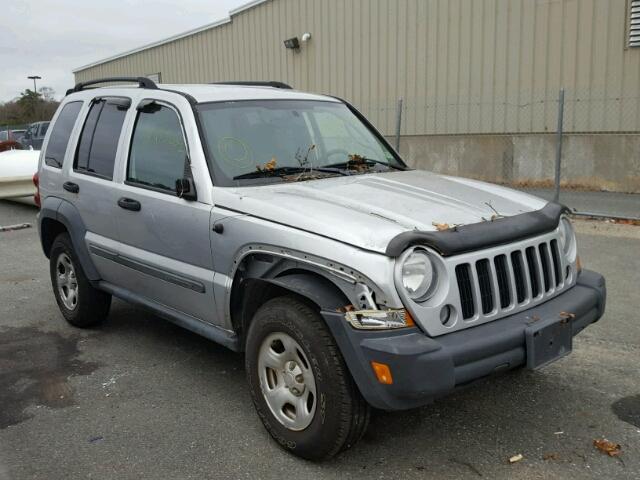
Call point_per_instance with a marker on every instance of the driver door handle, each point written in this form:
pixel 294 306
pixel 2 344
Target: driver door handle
pixel 129 204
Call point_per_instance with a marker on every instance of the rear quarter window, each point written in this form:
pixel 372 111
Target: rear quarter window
pixel 98 144
pixel 60 133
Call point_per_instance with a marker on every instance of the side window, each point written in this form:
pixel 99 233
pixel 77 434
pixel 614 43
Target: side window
pixel 96 153
pixel 61 130
pixel 158 154
pixel 43 129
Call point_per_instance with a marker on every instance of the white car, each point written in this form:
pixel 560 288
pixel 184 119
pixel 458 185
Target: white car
pixel 17 168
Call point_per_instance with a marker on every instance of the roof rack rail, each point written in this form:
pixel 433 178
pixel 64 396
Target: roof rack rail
pixel 143 82
pixel 265 83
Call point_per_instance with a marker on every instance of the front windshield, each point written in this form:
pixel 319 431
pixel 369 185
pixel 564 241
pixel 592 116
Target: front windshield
pixel 266 141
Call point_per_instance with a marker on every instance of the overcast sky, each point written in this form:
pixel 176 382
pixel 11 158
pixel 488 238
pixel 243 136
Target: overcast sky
pixel 50 38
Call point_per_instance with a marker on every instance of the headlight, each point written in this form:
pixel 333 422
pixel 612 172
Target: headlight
pixel 419 276
pixel 567 237
pixel 379 319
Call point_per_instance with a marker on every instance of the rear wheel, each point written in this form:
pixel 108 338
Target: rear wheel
pixel 300 385
pixel 81 304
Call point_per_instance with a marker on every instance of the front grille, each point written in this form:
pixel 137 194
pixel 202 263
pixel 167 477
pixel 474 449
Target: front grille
pixel 509 279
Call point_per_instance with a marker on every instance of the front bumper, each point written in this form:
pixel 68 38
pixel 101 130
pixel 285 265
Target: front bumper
pixel 425 368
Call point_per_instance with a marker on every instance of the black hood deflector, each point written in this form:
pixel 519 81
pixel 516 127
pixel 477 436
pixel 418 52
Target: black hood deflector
pixel 477 236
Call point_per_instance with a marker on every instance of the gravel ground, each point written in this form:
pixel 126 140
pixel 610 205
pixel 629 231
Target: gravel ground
pixel 141 398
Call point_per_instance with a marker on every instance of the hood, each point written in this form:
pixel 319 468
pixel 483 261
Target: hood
pixel 367 211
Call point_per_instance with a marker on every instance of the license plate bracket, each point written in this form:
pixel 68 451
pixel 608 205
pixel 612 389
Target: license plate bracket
pixel 548 340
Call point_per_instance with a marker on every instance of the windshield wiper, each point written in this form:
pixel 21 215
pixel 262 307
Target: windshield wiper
pixel 282 171
pixel 363 161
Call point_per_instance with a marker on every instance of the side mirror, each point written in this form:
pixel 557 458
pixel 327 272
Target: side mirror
pixel 185 188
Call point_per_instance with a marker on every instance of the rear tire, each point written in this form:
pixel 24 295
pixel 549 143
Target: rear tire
pixel 81 304
pixel 290 352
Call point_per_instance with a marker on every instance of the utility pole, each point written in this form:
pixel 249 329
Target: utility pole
pixel 34 78
pixel 35 94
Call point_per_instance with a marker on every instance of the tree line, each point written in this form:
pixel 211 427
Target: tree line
pixel 29 107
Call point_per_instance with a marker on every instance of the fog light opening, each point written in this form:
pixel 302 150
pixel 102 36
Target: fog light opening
pixel 448 316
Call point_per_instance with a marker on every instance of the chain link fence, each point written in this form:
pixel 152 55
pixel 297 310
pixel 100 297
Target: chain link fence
pixel 579 147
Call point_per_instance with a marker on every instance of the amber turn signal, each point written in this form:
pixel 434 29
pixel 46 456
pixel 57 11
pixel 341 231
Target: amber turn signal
pixel 383 373
pixel 578 264
pixel 408 319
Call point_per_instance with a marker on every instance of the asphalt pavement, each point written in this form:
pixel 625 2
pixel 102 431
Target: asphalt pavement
pixel 141 398
pixel 615 204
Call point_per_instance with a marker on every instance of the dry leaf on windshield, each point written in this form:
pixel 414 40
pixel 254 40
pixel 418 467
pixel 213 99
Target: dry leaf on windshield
pixel 270 166
pixel 610 448
pixel 357 162
pixel 441 226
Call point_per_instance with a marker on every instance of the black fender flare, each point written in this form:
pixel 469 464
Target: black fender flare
pixel 310 286
pixel 60 210
pixel 314 287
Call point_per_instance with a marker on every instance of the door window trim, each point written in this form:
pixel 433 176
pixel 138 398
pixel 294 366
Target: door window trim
pixel 91 102
pixel 176 110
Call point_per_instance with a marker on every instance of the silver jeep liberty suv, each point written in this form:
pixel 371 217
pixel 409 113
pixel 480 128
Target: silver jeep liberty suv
pixel 281 224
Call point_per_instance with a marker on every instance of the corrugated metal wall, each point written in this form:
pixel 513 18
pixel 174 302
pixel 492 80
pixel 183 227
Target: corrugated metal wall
pixel 462 66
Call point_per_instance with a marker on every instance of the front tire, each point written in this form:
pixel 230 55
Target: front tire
pixel 300 385
pixel 81 304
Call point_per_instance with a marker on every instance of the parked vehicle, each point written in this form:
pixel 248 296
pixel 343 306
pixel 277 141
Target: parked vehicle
pixel 18 135
pixel 10 140
pixel 17 168
pixel 11 135
pixel 34 135
pixel 283 225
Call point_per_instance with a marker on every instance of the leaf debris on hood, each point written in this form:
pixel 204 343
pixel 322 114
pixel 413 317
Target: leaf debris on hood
pixel 441 226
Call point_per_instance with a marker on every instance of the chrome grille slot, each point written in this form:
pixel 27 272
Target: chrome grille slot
pixel 484 283
pixel 546 268
pixel 518 273
pixel 463 275
pixel 532 264
pixel 502 275
pixel 557 266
